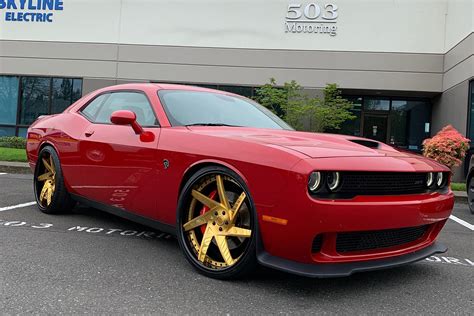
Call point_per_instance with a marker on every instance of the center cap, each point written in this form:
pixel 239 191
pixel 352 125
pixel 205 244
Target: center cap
pixel 219 221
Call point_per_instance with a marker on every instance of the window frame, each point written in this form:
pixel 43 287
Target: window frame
pixel 110 92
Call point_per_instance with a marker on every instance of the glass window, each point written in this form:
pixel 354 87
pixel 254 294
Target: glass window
pixel 90 111
pixel 471 113
pixel 196 108
pixel 240 90
pixel 34 98
pixel 7 131
pixel 376 104
pixel 132 101
pixel 8 99
pixel 409 123
pixel 76 90
pixel 61 94
pixel 22 132
pixel 352 127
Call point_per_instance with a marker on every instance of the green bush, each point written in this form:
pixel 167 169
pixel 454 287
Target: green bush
pixel 13 142
pixel 314 114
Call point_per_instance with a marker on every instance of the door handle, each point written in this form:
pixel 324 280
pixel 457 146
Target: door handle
pixel 89 133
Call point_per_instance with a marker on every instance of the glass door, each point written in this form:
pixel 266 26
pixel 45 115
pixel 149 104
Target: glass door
pixel 375 127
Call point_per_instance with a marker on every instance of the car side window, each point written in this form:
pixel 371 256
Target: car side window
pixel 131 101
pixel 90 111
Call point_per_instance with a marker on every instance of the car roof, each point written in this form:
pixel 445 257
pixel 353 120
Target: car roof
pixel 163 86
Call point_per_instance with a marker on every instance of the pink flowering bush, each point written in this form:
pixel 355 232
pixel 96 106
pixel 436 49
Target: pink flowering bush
pixel 447 147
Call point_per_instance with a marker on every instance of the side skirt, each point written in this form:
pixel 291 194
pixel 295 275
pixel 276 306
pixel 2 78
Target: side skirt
pixel 127 215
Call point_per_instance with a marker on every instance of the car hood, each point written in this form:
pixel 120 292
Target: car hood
pixel 312 145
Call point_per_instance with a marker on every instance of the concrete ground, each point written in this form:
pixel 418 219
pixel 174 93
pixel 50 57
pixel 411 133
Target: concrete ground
pixel 91 262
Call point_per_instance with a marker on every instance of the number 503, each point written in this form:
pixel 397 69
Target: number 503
pixel 312 11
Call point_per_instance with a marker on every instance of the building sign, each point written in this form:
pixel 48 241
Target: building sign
pixel 30 10
pixel 312 18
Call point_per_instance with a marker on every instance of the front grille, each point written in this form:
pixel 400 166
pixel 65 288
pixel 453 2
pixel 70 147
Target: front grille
pixel 369 240
pixel 382 183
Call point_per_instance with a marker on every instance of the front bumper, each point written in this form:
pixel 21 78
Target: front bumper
pixel 346 269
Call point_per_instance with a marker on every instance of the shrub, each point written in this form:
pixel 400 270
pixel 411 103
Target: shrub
pixel 447 147
pixel 13 142
pixel 306 113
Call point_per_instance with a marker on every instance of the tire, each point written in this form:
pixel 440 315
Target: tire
pixel 470 192
pixel 229 250
pixel 51 194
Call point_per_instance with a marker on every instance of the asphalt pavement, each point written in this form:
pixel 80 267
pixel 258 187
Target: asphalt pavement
pixel 92 262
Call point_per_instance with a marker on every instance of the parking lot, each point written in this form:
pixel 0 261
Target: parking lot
pixel 89 261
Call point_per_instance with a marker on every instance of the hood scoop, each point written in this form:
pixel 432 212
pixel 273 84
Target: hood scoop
pixel 366 143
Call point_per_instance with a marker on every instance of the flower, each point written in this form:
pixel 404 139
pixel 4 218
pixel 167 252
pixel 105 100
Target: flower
pixel 447 147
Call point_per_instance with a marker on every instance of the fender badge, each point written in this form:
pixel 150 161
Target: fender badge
pixel 166 163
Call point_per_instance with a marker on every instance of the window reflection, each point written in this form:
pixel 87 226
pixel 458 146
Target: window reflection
pixel 8 99
pixel 34 98
pixel 376 104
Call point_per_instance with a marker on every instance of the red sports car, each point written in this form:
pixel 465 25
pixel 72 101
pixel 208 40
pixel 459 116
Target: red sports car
pixel 237 185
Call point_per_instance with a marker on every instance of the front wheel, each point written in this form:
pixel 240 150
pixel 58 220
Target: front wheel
pixel 50 192
pixel 217 224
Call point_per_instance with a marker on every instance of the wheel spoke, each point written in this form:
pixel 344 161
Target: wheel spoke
pixel 221 190
pixel 237 232
pixel 49 195
pixel 43 192
pixel 47 165
pixel 236 206
pixel 200 220
pixel 205 200
pixel 51 163
pixel 224 249
pixel 45 176
pixel 205 242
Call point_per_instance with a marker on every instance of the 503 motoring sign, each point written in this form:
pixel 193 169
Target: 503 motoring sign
pixel 30 10
pixel 312 18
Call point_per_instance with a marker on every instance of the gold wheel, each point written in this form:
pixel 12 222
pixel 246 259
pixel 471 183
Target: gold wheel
pixel 47 177
pixel 217 224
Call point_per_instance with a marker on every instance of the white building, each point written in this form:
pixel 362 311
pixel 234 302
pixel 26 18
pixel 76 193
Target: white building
pixel 407 64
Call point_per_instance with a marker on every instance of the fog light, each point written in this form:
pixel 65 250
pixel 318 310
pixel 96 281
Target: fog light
pixel 314 182
pixel 430 179
pixel 333 180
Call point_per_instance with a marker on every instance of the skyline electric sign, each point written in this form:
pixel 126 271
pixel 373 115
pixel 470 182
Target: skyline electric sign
pixel 30 10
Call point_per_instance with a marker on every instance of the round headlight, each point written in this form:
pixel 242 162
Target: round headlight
pixel 439 179
pixel 314 182
pixel 430 179
pixel 333 180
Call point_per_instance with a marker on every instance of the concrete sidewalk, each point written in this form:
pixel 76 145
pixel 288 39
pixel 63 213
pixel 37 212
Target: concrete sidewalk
pixel 24 167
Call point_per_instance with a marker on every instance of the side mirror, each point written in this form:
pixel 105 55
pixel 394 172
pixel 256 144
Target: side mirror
pixel 125 117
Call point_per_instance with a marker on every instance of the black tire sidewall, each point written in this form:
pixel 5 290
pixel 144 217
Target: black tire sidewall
pixel 468 186
pixel 61 198
pixel 247 262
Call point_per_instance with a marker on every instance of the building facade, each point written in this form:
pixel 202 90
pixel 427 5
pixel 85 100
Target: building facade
pixel 407 65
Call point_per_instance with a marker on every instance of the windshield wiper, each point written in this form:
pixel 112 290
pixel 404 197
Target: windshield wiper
pixel 212 124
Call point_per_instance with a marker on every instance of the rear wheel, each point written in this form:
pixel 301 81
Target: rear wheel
pixel 470 193
pixel 50 191
pixel 217 224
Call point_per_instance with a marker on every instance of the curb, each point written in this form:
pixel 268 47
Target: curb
pixel 460 197
pixel 15 167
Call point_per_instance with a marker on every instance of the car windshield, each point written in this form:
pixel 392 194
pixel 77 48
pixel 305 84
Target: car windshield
pixel 191 108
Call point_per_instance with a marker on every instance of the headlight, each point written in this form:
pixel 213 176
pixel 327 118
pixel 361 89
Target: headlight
pixel 333 180
pixel 430 179
pixel 439 179
pixel 314 182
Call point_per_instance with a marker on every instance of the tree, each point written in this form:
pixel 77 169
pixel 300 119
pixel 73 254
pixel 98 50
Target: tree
pixel 304 112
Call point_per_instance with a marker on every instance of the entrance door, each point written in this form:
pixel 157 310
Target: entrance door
pixel 375 127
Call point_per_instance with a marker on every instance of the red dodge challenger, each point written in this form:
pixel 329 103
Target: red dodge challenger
pixel 237 185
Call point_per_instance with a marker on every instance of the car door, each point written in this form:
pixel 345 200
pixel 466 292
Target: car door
pixel 117 168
